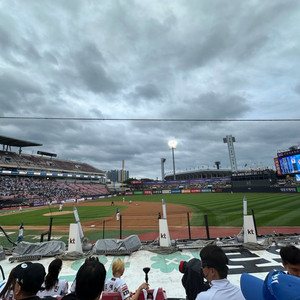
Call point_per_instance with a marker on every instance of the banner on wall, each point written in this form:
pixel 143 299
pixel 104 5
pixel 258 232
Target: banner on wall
pixel 196 191
pixel 277 166
pixel 288 190
pixel 147 192
pixel 176 191
pixel 166 191
pixel 156 192
pixel 206 190
pixel 185 191
pixel 138 192
pixel 128 193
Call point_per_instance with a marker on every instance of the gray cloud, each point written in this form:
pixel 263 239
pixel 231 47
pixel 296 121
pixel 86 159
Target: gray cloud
pixel 90 65
pixel 148 91
pixel 151 59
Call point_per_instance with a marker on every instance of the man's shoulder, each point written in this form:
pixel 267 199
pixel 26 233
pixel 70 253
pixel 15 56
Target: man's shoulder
pixel 222 289
pixel 204 295
pixel 71 296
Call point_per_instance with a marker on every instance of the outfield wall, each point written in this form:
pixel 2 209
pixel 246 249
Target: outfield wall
pixel 253 189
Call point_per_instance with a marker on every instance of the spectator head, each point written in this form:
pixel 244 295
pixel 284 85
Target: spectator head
pixel 214 262
pixel 53 272
pixel 28 279
pixel 9 285
pixel 290 256
pixel 118 267
pixel 90 280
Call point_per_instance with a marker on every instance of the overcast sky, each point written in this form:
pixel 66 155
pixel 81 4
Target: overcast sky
pixel 188 59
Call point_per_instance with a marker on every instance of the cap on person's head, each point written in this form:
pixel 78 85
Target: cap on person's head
pixel 182 266
pixel 30 276
pixel 277 286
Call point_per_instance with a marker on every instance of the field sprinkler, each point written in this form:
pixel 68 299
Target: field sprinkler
pixel 146 270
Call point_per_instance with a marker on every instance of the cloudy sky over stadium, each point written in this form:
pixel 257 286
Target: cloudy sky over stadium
pixel 180 60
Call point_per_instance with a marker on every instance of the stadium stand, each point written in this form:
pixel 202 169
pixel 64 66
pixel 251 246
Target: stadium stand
pixel 29 190
pixel 32 179
pixel 33 162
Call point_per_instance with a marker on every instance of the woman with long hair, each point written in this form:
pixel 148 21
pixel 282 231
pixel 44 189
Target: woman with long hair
pixel 7 292
pixel 53 286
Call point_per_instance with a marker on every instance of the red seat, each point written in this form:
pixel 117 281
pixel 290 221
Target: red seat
pixel 111 296
pixel 160 295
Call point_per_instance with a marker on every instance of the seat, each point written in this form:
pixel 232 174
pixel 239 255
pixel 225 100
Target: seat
pixel 152 294
pixel 111 296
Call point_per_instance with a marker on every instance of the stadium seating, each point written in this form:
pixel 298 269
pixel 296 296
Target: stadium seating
pixel 33 162
pixel 33 190
pixel 155 294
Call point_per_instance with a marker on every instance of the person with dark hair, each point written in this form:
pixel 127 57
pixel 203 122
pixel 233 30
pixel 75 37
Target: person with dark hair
pixel 89 281
pixel 192 279
pixel 7 291
pixel 215 270
pixel 28 278
pixel 290 257
pixel 52 285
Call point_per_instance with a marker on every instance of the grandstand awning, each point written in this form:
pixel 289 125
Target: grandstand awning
pixel 7 141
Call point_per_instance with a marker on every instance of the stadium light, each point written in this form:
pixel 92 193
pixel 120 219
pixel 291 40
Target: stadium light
pixel 162 161
pixel 172 145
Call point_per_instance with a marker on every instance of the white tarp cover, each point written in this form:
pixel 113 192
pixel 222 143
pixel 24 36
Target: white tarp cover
pixel 131 243
pixel 50 248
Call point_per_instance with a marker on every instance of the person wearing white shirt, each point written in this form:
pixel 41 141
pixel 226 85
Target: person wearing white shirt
pixel 116 284
pixel 53 286
pixel 215 270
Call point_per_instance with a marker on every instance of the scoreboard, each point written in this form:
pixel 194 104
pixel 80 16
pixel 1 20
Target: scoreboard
pixel 288 161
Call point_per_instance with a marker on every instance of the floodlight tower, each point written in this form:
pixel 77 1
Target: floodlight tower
pixel 172 145
pixel 122 174
pixel 229 140
pixel 162 160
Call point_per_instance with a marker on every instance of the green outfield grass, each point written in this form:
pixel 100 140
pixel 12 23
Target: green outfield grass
pixel 227 209
pixel 221 209
pixel 34 217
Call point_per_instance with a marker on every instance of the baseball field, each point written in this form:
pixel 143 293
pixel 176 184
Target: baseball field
pixel 273 212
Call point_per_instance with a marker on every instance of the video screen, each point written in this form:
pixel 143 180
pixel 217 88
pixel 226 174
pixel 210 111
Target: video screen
pixel 290 164
pixel 297 177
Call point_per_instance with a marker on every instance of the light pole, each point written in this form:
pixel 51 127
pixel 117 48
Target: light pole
pixel 162 160
pixel 173 144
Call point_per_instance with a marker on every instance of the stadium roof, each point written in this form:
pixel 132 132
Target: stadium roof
pixel 7 141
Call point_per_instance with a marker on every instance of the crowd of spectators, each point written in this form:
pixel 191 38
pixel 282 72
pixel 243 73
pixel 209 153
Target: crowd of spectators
pixel 173 186
pixel 30 189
